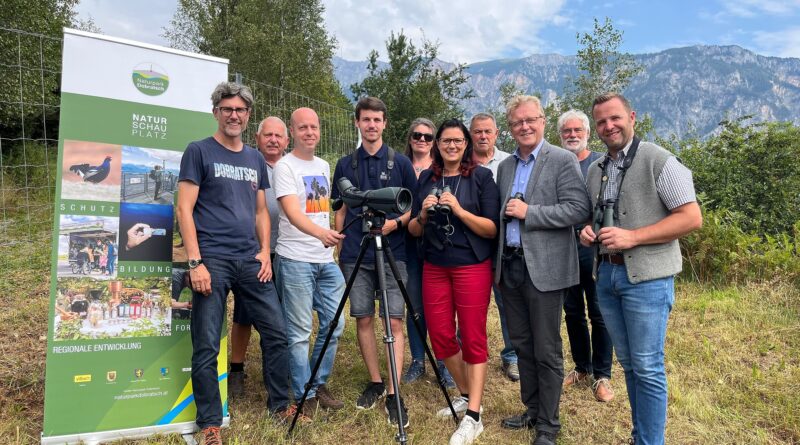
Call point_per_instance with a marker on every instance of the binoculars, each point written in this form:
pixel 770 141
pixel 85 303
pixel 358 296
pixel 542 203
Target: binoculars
pixel 603 215
pixel 441 208
pixel 507 219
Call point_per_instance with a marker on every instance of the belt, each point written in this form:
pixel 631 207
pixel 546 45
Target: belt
pixel 512 250
pixel 613 258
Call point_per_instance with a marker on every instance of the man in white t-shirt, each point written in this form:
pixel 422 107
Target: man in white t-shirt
pixel 307 276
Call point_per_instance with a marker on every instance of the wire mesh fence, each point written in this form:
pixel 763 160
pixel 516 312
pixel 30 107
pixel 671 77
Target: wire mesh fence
pixel 30 71
pixel 30 75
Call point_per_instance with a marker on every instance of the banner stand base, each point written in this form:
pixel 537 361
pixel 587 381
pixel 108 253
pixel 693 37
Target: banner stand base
pixel 185 429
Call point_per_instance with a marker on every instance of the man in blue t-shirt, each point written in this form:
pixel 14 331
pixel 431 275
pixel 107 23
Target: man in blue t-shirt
pixel 225 227
pixel 376 166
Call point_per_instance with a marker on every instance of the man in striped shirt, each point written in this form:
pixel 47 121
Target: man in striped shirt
pixel 644 201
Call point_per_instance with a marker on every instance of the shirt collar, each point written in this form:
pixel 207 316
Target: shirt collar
pixel 534 154
pixel 378 154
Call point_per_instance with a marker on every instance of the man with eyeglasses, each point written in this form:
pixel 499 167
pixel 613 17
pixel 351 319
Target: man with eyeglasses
pixel 483 130
pixel 650 202
pixel 375 165
pixel 537 260
pixel 225 227
pixel 591 353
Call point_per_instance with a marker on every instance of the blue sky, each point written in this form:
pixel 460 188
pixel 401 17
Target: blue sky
pixel 471 31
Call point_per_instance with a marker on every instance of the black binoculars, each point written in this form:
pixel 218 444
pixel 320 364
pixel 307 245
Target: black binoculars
pixel 507 219
pixel 441 208
pixel 603 215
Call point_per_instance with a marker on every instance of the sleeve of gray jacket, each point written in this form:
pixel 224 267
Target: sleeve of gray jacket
pixel 570 204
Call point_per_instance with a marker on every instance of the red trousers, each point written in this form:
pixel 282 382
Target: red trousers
pixel 450 293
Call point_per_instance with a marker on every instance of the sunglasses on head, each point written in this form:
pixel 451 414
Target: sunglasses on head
pixel 417 136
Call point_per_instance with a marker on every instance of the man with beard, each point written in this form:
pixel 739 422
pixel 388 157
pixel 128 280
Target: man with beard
pixel 651 197
pixel 591 353
pixel 221 176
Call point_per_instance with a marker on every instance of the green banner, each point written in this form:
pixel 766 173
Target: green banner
pixel 119 346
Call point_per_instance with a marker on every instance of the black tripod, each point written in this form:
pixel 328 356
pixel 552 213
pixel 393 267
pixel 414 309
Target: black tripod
pixel 374 221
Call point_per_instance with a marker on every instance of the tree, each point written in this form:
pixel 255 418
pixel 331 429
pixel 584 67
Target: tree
pixel 751 170
pixel 602 68
pixel 29 77
pixel 413 85
pixel 277 42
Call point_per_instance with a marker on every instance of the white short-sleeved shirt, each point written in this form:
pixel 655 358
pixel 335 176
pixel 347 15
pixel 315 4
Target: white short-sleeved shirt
pixel 309 182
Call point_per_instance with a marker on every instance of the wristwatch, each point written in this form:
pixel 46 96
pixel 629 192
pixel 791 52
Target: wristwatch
pixel 194 263
pixel 399 223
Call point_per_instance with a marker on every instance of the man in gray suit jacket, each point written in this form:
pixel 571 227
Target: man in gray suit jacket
pixel 537 259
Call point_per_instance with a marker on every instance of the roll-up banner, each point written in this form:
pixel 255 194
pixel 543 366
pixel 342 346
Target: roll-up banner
pixel 119 346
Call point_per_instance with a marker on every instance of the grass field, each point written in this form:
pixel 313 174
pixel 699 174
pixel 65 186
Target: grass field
pixel 733 364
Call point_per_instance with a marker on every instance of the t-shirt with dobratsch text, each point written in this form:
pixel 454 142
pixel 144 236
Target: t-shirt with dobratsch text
pixel 224 215
pixel 309 182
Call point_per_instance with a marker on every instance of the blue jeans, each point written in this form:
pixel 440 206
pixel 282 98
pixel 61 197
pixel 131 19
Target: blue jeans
pixel 208 314
pixel 414 289
pixel 306 287
pixel 636 318
pixel 507 355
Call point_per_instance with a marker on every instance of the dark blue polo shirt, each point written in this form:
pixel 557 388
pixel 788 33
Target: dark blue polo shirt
pixel 373 174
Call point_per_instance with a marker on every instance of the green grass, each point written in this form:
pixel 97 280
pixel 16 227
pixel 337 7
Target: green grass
pixel 733 363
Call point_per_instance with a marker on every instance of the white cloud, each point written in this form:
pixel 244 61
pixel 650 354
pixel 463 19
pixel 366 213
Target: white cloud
pixel 753 8
pixel 467 30
pixel 784 43
pixel 141 21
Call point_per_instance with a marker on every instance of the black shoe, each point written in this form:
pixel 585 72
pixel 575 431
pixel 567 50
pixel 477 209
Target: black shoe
pixel 391 411
pixel 519 422
pixel 372 393
pixel 544 438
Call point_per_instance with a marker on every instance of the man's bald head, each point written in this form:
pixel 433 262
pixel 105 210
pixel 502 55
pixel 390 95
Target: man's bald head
pixel 305 129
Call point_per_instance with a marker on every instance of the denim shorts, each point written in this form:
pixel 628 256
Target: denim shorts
pixel 362 294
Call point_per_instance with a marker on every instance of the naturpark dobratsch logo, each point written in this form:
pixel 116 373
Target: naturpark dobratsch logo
pixel 150 79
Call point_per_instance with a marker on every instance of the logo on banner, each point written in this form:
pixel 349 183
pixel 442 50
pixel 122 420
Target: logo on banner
pixel 150 79
pixel 138 373
pixel 84 378
pixel 111 376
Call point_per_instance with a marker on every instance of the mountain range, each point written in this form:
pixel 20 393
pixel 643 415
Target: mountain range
pixel 685 90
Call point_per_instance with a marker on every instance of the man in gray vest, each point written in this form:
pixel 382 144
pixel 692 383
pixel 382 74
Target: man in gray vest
pixel 537 260
pixel 591 353
pixel 644 200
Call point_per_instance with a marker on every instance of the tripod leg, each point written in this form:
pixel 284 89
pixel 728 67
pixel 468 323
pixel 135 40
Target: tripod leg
pixel 328 337
pixel 415 318
pixel 389 338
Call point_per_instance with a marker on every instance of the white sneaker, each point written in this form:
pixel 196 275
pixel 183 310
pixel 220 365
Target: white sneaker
pixel 460 404
pixel 468 430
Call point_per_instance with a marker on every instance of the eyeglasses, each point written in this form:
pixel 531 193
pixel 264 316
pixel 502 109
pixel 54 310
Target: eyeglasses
pixel 451 141
pixel 531 121
pixel 417 136
pixel 227 111
pixel 568 131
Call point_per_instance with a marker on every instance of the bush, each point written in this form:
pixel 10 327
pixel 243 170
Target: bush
pixel 721 252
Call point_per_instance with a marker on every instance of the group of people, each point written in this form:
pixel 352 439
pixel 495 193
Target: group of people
pixel 257 223
pixel 99 254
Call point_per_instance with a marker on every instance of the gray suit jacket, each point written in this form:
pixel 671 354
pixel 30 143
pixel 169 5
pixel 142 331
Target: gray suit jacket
pixel 557 200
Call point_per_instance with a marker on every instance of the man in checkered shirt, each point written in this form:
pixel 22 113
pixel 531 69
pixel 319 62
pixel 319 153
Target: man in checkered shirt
pixel 652 197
